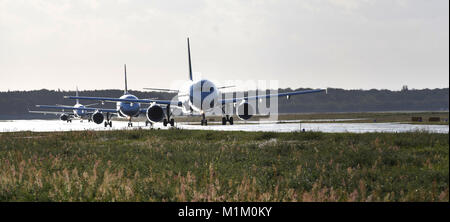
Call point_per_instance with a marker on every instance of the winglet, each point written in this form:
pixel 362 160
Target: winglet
pixel 189 58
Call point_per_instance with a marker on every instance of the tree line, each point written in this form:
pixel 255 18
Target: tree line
pixel 17 103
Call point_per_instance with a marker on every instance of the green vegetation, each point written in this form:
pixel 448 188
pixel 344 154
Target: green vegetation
pixel 182 165
pixel 15 104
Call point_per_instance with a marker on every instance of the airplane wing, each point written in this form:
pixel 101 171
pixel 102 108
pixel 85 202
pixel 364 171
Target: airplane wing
pixel 288 94
pixel 164 102
pixel 144 110
pixel 225 87
pixel 73 108
pixel 49 112
pixel 93 104
pixel 162 90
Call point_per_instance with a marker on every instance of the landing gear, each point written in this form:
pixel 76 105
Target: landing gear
pixel 108 122
pixel 204 121
pixel 148 123
pixel 69 120
pixel 171 122
pixel 130 124
pixel 226 119
pixel 168 120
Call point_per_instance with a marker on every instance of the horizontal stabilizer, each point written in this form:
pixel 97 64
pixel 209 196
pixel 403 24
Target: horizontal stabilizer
pixel 162 90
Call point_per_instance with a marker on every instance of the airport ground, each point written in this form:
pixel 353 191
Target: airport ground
pixel 201 165
pixel 346 117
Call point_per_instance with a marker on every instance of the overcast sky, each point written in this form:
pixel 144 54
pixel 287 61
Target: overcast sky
pixel 349 44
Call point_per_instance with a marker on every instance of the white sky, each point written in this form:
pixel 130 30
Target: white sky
pixel 349 44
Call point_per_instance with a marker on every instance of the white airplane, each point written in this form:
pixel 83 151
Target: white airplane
pixel 79 111
pixel 126 107
pixel 201 96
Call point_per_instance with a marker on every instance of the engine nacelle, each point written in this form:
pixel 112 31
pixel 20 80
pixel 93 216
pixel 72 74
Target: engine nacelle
pixel 245 111
pixel 98 117
pixel 155 113
pixel 64 117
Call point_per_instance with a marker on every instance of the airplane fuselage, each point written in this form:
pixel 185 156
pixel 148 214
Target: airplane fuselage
pixel 201 96
pixel 79 113
pixel 128 109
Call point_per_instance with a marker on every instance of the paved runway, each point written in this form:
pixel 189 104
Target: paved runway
pixel 76 125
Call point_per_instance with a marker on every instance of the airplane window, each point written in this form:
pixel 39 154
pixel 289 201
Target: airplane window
pixel 211 89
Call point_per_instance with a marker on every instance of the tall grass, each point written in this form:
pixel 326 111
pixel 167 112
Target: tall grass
pixel 182 165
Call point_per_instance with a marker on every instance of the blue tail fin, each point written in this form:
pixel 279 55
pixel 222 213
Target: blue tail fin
pixel 76 94
pixel 189 57
pixel 126 88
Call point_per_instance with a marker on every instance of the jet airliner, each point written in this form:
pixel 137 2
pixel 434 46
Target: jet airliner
pixel 127 106
pixel 201 96
pixel 79 111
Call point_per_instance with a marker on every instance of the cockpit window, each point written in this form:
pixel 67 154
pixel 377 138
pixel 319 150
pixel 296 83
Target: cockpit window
pixel 211 89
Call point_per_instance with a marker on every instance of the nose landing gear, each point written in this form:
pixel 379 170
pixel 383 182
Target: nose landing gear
pixel 204 121
pixel 226 119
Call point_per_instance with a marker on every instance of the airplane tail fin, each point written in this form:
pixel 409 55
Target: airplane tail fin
pixel 126 87
pixel 76 94
pixel 189 58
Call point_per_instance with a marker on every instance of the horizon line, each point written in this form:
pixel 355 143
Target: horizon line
pixel 143 90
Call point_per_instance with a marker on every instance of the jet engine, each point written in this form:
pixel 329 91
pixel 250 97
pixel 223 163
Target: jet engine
pixel 155 113
pixel 98 117
pixel 64 117
pixel 245 111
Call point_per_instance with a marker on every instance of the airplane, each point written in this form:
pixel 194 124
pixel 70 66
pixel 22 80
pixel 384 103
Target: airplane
pixel 192 98
pixel 79 111
pixel 127 106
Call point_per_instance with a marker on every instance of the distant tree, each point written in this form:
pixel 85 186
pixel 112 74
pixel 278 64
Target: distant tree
pixel 337 100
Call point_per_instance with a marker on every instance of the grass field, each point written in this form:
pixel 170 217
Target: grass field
pixel 182 165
